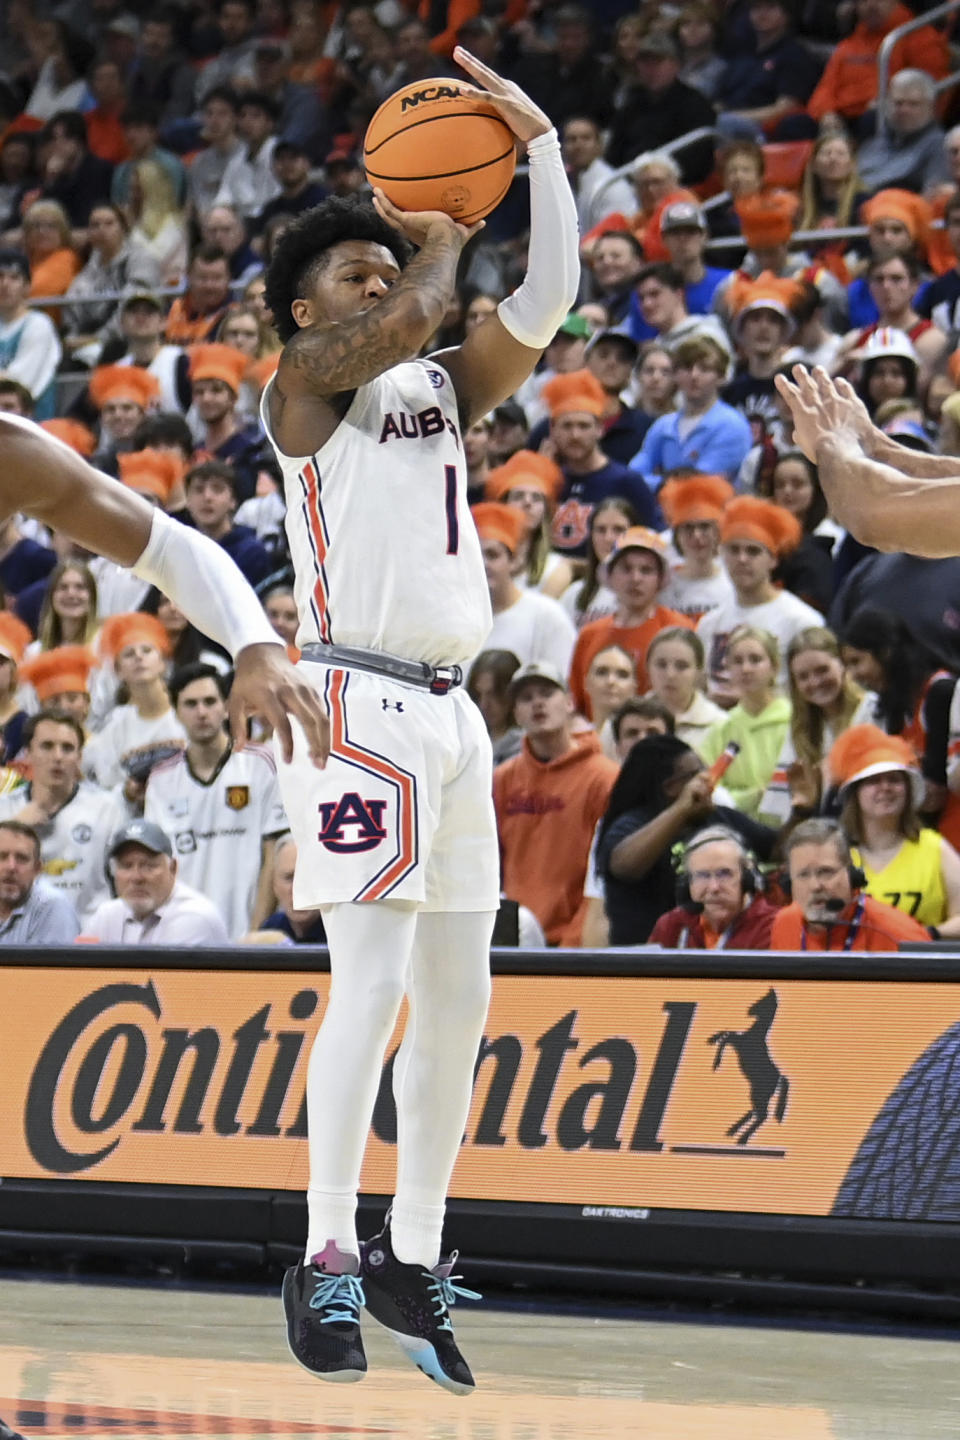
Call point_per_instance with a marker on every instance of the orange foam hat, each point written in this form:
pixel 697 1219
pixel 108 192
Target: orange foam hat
pixel 525 470
pixel 695 497
pixel 123 382
pixel 911 210
pixel 866 750
pixel 136 628
pixel 767 219
pixel 766 292
pixel 750 518
pixel 579 393
pixel 14 636
pixel 154 472
pixel 503 523
pixel 263 371
pixel 218 362
pixel 72 433
pixel 55 671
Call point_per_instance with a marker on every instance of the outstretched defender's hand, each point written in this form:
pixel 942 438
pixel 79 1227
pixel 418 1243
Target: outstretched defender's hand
pixel 266 683
pixel 821 411
pixel 525 119
pixel 416 225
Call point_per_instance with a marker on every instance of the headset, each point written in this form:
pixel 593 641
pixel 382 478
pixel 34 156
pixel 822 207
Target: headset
pixel 751 881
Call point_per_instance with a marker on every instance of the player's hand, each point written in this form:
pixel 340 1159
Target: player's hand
pixel 819 411
pixel 525 119
pixel 266 683
pixel 416 225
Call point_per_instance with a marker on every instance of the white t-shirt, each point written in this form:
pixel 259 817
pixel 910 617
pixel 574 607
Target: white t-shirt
pixel 603 603
pixel 535 628
pixel 185 919
pixel 783 616
pixel 127 741
pixel 73 850
pixel 218 826
pixel 693 596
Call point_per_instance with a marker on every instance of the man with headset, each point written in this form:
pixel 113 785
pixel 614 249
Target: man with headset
pixel 720 905
pixel 829 910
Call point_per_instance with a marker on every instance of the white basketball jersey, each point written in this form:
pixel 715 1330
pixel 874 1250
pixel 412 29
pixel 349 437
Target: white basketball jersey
pixel 385 552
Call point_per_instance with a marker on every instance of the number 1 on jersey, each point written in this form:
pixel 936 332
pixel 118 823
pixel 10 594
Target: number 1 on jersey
pixel 453 520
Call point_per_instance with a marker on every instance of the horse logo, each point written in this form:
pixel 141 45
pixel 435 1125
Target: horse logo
pixel 766 1080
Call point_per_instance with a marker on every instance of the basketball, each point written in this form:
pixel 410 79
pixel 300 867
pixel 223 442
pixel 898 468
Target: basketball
pixel 429 147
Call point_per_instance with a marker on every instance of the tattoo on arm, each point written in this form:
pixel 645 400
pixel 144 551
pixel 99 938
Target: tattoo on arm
pixel 328 359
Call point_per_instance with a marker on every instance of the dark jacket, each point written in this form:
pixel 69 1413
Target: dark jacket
pixel 647 122
pixel 247 553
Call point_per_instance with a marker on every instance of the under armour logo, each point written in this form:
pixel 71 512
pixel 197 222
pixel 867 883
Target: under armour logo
pixel 391 704
pixel 365 817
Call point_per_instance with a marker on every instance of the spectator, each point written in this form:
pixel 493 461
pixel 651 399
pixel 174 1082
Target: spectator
pixel 656 381
pixel 908 151
pixel 161 75
pixel 211 489
pixel 31 911
pixel 141 132
pixel 754 535
pixel 197 315
pixel 832 188
pixel 609 683
pixel 15 399
pixel 807 571
pixel 187 645
pixel 256 184
pixel 564 355
pixel 47 239
pixel 280 608
pixel 615 260
pixel 224 230
pixel 488 685
pixel 758 723
pixel 762 324
pixel 721 901
pixel 303 927
pixel 661 296
pixel 158 224
pixel 299 112
pixel 122 394
pixel 660 108
pixel 662 796
pixel 476 458
pixel 216 372
pixel 141 330
pixel 115 264
pixel 141 733
pixel 705 433
pixel 60 83
pixel 743 175
pixel 829 910
pixel 14 639
pixel 69 614
pixel 655 177
pixel 17 175
pixel 296 191
pixel 577 407
pixel 684 231
pixel 152 906
pixel 941 299
pixel 702 66
pixel 105 132
pixel 765 87
pixel 342 171
pixel 566 79
pixel 675 665
pixel 882 653
pixel 532 483
pixel 529 625
pixel 72 176
pixel 215 168
pixel 74 820
pixel 694 505
pixel 893 280
pixel 587 599
pixel 636 719
pixel 220 808
pixel 590 173
pixel 848 86
pixel 635 571
pixel 30 347
pixel 549 799
pixel 233 62
pixel 898 222
pixel 814 342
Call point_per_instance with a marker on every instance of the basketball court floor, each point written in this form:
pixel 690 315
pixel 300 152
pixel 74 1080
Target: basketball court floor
pixel 87 1360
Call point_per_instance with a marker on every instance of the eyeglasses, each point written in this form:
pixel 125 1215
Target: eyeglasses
pixel 822 874
pixel 724 874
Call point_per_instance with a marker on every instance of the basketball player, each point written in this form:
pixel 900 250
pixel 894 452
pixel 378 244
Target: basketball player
pixel 397 840
pixel 44 478
pixel 884 494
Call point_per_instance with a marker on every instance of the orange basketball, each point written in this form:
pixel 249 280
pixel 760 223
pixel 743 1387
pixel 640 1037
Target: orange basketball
pixel 429 147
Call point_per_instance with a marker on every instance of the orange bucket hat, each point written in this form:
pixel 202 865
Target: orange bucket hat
pixel 866 750
pixel 54 671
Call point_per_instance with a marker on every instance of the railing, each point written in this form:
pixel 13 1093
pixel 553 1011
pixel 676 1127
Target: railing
pixel 950 7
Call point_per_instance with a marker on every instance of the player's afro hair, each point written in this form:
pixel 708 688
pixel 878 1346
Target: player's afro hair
pixel 301 251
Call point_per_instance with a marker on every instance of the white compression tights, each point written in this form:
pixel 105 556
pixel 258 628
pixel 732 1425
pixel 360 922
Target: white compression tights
pixel 377 953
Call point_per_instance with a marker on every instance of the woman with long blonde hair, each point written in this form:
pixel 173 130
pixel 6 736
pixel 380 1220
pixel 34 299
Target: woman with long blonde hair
pixel 832 190
pixel 758 723
pixel 68 615
pixel 48 241
pixel 158 225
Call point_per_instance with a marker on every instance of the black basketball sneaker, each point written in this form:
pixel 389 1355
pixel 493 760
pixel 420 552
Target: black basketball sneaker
pixel 413 1303
pixel 322 1308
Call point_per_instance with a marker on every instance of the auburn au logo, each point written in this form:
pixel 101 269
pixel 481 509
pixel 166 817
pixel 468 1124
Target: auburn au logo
pixel 352 824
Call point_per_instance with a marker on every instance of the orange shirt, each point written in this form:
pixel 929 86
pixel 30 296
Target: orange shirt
pixel 546 816
pixel 635 639
pixel 185 327
pixel 848 85
pixel 883 929
pixel 52 275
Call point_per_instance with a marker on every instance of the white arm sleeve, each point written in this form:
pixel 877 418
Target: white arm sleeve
pixel 202 581
pixel 534 313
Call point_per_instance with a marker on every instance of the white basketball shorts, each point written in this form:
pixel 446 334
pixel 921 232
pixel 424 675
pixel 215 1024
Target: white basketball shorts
pixel 403 809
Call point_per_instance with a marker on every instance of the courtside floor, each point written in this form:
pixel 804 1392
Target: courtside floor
pixel 131 1361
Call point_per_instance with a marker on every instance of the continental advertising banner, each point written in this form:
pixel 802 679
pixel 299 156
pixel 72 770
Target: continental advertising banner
pixel 784 1097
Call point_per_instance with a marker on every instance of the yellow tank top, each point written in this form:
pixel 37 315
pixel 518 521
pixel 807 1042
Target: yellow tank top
pixel 912 880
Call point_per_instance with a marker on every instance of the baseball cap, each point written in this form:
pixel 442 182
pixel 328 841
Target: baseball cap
pixel 341 155
pixel 11 259
pixel 627 341
pixel 141 832
pixel 659 44
pixel 638 537
pixel 289 147
pixel 124 24
pixel 682 215
pixel 576 326
pixel 536 670
pixel 141 297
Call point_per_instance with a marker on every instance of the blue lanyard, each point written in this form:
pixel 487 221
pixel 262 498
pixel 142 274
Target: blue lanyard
pixel 853 929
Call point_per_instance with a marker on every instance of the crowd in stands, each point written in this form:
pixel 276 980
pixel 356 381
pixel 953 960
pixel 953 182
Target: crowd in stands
pixel 696 681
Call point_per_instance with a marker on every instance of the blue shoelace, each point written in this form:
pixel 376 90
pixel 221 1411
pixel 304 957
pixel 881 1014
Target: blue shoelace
pixel 444 1293
pixel 343 1293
